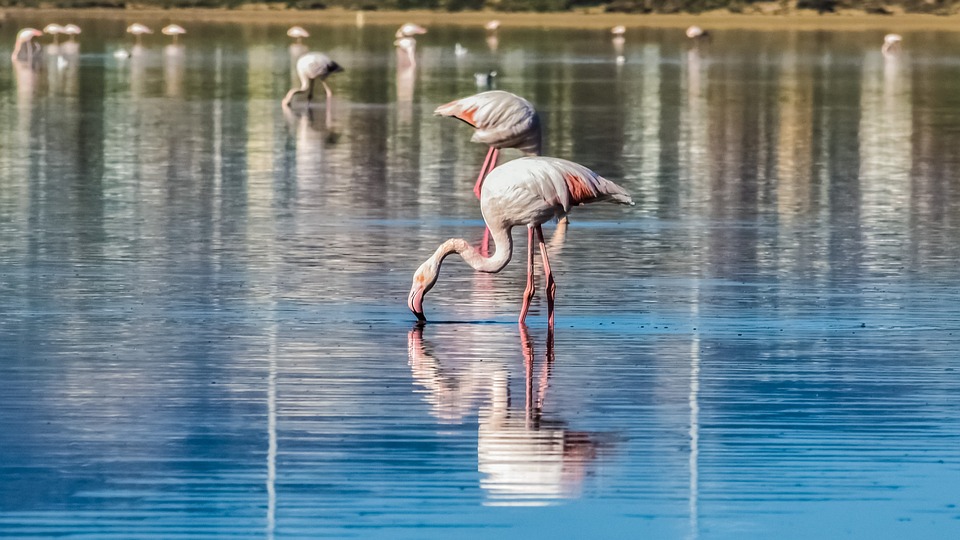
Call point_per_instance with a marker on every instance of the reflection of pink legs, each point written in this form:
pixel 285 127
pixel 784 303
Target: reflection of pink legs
pixel 531 288
pixel 488 165
pixel 535 400
pixel 551 286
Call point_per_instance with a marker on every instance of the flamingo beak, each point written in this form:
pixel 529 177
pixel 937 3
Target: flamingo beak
pixel 415 303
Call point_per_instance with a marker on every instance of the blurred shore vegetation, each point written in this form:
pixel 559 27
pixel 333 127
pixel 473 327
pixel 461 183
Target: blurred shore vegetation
pixel 772 7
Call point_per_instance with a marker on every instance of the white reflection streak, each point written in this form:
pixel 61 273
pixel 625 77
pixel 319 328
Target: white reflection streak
pixel 272 433
pixel 694 400
pixel 650 104
pixel 218 141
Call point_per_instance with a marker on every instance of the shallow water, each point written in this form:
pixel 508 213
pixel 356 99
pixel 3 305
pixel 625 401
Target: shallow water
pixel 204 331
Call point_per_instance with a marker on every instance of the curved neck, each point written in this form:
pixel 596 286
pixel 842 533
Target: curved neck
pixel 503 251
pixel 16 51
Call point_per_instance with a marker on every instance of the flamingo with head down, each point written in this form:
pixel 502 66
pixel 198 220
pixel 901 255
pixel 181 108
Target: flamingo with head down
pixel 500 120
pixel 528 191
pixel 25 43
pixel 312 67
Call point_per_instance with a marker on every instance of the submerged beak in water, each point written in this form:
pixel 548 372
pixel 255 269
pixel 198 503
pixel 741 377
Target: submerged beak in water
pixel 423 280
pixel 415 303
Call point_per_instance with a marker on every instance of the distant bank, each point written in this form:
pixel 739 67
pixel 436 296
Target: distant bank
pixel 583 18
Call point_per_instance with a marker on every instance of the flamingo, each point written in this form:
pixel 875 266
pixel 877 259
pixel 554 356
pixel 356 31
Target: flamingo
pixel 298 33
pixel 527 191
pixel 174 30
pixel 890 42
pixel 25 37
pixel 696 33
pixel 501 120
pixel 492 26
pixel 54 30
pixel 409 30
pixel 312 67
pixel 618 30
pixel 71 30
pixel 138 30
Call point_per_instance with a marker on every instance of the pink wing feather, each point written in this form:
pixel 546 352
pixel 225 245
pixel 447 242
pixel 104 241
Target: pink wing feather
pixel 533 190
pixel 501 120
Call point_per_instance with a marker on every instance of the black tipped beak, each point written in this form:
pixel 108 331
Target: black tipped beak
pixel 420 316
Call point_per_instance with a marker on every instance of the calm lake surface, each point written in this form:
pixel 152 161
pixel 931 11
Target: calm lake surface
pixel 203 321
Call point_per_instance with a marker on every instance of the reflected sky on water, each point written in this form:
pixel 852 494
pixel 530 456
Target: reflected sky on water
pixel 204 330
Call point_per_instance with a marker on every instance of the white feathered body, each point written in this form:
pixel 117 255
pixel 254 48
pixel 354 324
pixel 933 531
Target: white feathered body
pixel 534 190
pixel 501 120
pixel 316 66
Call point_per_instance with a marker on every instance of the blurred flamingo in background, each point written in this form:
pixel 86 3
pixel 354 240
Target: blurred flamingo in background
pixel 298 33
pixel 71 30
pixel 409 30
pixel 891 43
pixel 312 67
pixel 501 120
pixel 492 26
pixel 54 30
pixel 696 33
pixel 174 31
pixel 24 43
pixel 527 191
pixel 138 30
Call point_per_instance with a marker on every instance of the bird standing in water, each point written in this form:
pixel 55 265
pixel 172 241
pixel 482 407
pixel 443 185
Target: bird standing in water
pixel 25 43
pixel 527 191
pixel 312 67
pixel 891 43
pixel 174 31
pixel 501 120
pixel 139 30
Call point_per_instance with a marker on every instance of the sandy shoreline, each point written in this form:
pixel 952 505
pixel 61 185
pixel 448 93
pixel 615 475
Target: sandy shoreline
pixel 715 20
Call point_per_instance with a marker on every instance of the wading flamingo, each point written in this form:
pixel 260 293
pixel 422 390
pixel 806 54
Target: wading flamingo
pixel 696 33
pixel 312 67
pixel 54 30
pixel 298 33
pixel 173 30
pixel 501 120
pixel 25 42
pixel 891 42
pixel 618 30
pixel 527 191
pixel 492 26
pixel 71 30
pixel 138 30
pixel 409 30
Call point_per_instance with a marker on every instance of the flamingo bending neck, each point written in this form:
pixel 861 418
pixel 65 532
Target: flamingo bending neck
pixel 429 271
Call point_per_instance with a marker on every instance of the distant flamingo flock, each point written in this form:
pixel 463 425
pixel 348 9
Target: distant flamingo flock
pixel 528 191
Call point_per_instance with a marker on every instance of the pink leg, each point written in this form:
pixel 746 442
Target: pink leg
pixel 488 164
pixel 531 288
pixel 551 286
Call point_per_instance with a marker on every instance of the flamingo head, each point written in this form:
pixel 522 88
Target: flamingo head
pixel 28 33
pixel 423 280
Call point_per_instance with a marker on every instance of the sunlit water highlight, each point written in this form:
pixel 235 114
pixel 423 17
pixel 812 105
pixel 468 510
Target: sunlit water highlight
pixel 204 332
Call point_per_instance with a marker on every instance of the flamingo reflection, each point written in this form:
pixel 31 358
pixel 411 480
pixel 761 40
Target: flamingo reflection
pixel 526 458
pixel 173 68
